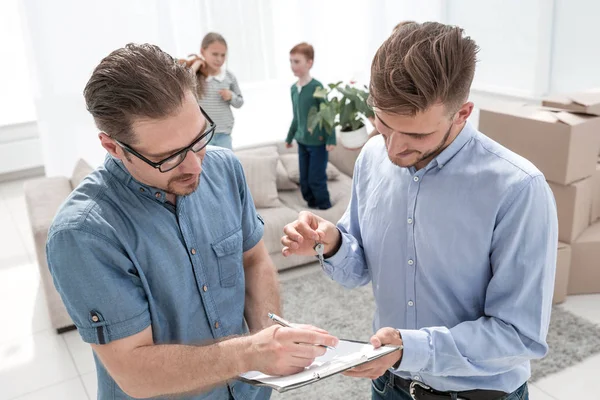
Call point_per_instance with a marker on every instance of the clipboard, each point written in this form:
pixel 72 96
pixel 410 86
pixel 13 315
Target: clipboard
pixel 348 354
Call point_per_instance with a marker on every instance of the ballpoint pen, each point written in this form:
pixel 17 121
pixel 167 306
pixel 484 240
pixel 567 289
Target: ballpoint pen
pixel 277 319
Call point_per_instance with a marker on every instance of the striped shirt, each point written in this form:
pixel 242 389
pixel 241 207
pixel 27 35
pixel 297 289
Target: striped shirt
pixel 214 105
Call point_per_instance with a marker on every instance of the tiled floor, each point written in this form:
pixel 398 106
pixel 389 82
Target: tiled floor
pixel 38 364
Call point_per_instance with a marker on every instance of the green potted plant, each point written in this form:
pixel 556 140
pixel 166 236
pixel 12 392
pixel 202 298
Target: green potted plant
pixel 344 108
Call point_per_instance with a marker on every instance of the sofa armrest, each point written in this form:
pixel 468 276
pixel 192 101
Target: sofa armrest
pixel 43 197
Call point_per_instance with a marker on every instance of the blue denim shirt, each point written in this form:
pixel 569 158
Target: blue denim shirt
pixel 122 259
pixel 461 255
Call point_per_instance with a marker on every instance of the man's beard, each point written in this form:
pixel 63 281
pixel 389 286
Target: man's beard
pixel 172 186
pixel 430 154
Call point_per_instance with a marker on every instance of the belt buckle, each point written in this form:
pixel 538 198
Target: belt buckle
pixel 412 390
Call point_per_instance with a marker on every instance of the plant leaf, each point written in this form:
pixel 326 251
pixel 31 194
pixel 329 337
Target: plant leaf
pixel 314 118
pixel 321 93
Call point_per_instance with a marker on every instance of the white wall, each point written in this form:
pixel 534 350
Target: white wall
pixel 514 40
pixel 16 103
pixel 67 39
pixel 576 46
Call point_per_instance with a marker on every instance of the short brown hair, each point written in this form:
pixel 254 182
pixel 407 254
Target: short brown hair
pixel 136 81
pixel 212 37
pixel 421 65
pixel 305 49
pixel 402 23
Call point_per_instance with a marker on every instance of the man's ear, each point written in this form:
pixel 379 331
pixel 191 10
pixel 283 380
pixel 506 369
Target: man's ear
pixel 464 112
pixel 110 145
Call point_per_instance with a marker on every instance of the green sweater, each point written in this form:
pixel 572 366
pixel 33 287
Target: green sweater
pixel 302 103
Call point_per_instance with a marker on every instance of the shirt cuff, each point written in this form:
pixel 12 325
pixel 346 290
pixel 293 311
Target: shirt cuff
pixel 416 352
pixel 103 332
pixel 255 236
pixel 335 260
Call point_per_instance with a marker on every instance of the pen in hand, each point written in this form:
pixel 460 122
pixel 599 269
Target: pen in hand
pixel 277 319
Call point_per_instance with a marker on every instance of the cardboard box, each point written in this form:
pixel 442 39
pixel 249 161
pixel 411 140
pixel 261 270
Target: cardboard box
pixel 573 205
pixel 561 280
pixel 595 214
pixel 584 274
pixel 562 145
pixel 583 102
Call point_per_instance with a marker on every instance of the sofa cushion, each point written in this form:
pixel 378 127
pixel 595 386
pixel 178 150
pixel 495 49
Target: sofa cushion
pixel 340 156
pixel 81 170
pixel 282 149
pixel 261 177
pixel 339 193
pixel 275 219
pixel 283 181
pixel 344 158
pixel 291 164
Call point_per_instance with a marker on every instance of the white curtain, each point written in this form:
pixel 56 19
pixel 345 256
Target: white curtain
pixel 16 104
pixel 527 51
pixel 67 38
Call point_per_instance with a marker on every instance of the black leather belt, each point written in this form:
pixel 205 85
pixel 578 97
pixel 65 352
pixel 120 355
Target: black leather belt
pixel 420 391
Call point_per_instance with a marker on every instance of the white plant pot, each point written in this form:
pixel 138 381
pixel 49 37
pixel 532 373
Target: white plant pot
pixel 354 139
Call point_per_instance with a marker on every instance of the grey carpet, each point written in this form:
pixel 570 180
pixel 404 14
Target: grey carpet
pixel 314 298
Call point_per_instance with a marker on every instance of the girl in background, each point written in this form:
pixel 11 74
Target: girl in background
pixel 218 89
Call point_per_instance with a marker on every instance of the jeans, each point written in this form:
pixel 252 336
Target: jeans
pixel 221 140
pixel 383 388
pixel 313 179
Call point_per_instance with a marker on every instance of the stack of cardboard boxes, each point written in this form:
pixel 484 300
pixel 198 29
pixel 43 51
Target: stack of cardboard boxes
pixel 562 139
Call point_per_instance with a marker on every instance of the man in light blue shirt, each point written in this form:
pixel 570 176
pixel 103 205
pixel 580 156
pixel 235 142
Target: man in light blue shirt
pixel 456 233
pixel 158 254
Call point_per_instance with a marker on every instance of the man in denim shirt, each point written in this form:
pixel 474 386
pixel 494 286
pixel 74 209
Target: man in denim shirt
pixel 457 234
pixel 158 254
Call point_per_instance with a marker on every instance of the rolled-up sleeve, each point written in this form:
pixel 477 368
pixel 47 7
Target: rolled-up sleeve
pixel 98 284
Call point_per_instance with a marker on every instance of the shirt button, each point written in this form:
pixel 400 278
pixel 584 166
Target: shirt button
pixel 205 288
pixel 416 378
pixel 416 179
pixel 157 195
pixel 193 251
pixel 95 318
pixel 411 303
pixel 142 190
pixel 410 262
pixel 217 324
pixel 409 220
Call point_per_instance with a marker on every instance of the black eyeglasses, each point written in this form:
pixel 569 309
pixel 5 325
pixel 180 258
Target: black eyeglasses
pixel 174 160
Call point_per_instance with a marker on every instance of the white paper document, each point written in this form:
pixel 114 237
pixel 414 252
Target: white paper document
pixel 346 355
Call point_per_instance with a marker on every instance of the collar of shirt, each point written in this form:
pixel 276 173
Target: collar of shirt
pixel 118 170
pixel 220 77
pixel 449 152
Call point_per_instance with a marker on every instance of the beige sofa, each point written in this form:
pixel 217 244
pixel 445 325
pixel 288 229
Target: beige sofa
pixel 268 169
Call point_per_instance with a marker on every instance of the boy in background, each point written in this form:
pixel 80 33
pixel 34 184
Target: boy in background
pixel 313 147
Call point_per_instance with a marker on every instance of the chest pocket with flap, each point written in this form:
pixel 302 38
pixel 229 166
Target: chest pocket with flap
pixel 229 258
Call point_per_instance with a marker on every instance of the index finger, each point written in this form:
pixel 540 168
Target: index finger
pixel 309 327
pixel 310 337
pixel 306 230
